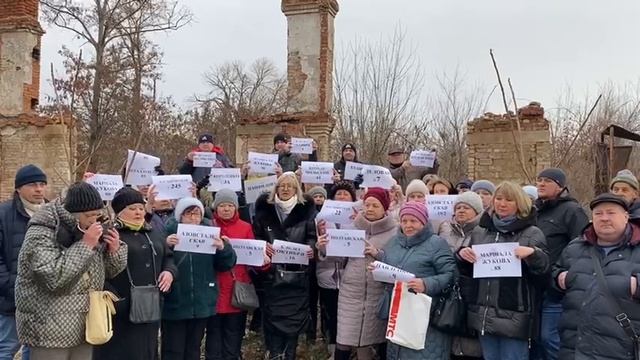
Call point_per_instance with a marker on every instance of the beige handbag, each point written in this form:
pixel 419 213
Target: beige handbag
pixel 99 327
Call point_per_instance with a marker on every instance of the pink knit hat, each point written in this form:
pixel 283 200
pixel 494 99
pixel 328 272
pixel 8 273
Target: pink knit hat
pixel 417 209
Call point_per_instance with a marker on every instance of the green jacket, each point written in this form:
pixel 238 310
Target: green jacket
pixel 194 293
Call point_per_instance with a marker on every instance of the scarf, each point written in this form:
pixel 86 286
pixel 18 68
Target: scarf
pixel 287 206
pixel 503 224
pixel 30 207
pixel 132 226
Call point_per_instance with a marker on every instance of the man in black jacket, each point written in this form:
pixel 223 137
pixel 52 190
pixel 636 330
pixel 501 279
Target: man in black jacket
pixel 30 185
pixel 561 219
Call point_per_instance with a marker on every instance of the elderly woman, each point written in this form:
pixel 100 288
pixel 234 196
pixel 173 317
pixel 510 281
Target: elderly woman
pixel 485 189
pixel 419 251
pixel 285 214
pixel 418 191
pixel 440 186
pixel 150 262
pixel 503 309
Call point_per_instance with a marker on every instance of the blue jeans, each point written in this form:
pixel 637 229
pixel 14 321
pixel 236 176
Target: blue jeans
pixel 9 343
pixel 503 348
pixel 549 334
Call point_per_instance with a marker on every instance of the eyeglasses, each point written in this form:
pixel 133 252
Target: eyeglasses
pixel 192 214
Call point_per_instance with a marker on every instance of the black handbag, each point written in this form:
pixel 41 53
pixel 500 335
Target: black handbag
pixel 449 313
pixel 289 278
pixel 244 295
pixel 145 300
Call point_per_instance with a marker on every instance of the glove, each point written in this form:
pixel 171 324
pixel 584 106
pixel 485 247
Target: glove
pixel 202 183
pixel 358 181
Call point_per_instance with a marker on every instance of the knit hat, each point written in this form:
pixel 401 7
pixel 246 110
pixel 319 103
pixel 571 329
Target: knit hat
pixel 185 203
pixel 82 197
pixel 555 174
pixel 470 198
pixel 125 197
pixel 417 186
pixel 381 195
pixel 396 149
pixel 225 196
pixel 464 184
pixel 532 191
pixel 349 146
pixel 627 177
pixel 417 209
pixel 343 185
pixel 205 138
pixel 483 185
pixel 29 174
pixel 609 198
pixel 317 190
pixel 280 137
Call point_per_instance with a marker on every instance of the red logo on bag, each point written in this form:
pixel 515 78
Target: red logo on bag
pixel 395 307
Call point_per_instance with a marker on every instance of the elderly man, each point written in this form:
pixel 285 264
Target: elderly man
pixel 626 184
pixel 598 272
pixel 66 254
pixel 402 170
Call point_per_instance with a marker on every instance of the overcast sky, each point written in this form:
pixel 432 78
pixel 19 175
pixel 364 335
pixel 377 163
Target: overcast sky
pixel 543 45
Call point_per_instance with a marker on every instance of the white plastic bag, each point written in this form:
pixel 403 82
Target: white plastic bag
pixel 408 317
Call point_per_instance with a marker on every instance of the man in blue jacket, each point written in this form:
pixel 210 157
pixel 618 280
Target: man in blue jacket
pixel 31 186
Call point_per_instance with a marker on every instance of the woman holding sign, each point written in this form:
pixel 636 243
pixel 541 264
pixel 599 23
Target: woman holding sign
pixel 193 297
pixel 507 256
pixel 286 215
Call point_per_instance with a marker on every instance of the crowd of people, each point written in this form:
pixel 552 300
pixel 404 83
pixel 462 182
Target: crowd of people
pixel 576 296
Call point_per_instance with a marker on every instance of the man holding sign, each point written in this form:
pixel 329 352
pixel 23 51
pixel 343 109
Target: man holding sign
pixel 504 305
pixel 200 166
pixel 286 158
pixel 403 171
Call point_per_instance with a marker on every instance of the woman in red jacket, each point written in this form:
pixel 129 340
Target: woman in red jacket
pixel 225 330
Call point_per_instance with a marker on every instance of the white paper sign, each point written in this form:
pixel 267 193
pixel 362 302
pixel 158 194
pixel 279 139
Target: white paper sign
pixel 249 252
pixel 352 169
pixel 107 185
pixel 290 253
pixel 196 238
pixel 225 178
pixel 377 176
pixel 337 212
pixel 496 260
pixel 422 158
pixel 301 146
pixel 316 172
pixel 346 243
pixel 262 163
pixel 390 274
pixel 256 187
pixel 440 207
pixel 204 159
pixel 141 169
pixel 171 187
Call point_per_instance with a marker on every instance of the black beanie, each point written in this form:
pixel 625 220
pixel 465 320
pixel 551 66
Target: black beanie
pixel 125 197
pixel 29 174
pixel 280 137
pixel 349 146
pixel 555 174
pixel 82 197
pixel 343 185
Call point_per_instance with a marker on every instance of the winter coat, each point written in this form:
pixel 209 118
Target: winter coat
pixel 329 269
pixel 159 219
pixel 194 293
pixel 290 161
pixel 634 212
pixel 286 304
pixel 360 295
pixel 234 229
pixel 13 226
pixel 56 272
pixel 460 237
pixel 507 307
pixel 198 173
pixel 429 258
pixel 588 328
pixel 405 176
pixel 561 220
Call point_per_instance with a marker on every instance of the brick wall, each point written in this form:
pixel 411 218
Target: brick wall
pixel 16 8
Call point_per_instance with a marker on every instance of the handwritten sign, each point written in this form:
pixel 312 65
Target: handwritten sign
pixel 337 212
pixel 222 178
pixel 422 158
pixel 352 169
pixel 107 185
pixel 496 260
pixel 256 187
pixel 196 238
pixel 390 274
pixel 249 252
pixel 171 187
pixel 440 207
pixel 316 172
pixel 262 163
pixel 301 146
pixel 346 243
pixel 204 159
pixel 141 169
pixel 377 176
pixel 290 253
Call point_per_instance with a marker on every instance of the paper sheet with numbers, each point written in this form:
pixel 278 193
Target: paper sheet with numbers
pixel 496 260
pixel 249 252
pixel 346 243
pixel 140 168
pixel 170 187
pixel 337 212
pixel 390 274
pixel 290 253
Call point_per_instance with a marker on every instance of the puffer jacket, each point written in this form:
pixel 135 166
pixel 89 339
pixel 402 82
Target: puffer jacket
pixel 429 258
pixel 588 328
pixel 358 322
pixel 507 307
pixel 56 272
pixel 13 226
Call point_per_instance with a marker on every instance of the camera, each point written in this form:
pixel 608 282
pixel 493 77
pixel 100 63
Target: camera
pixel 106 223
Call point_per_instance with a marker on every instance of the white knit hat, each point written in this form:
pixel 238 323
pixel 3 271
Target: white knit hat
pixel 185 203
pixel 416 186
pixel 531 191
